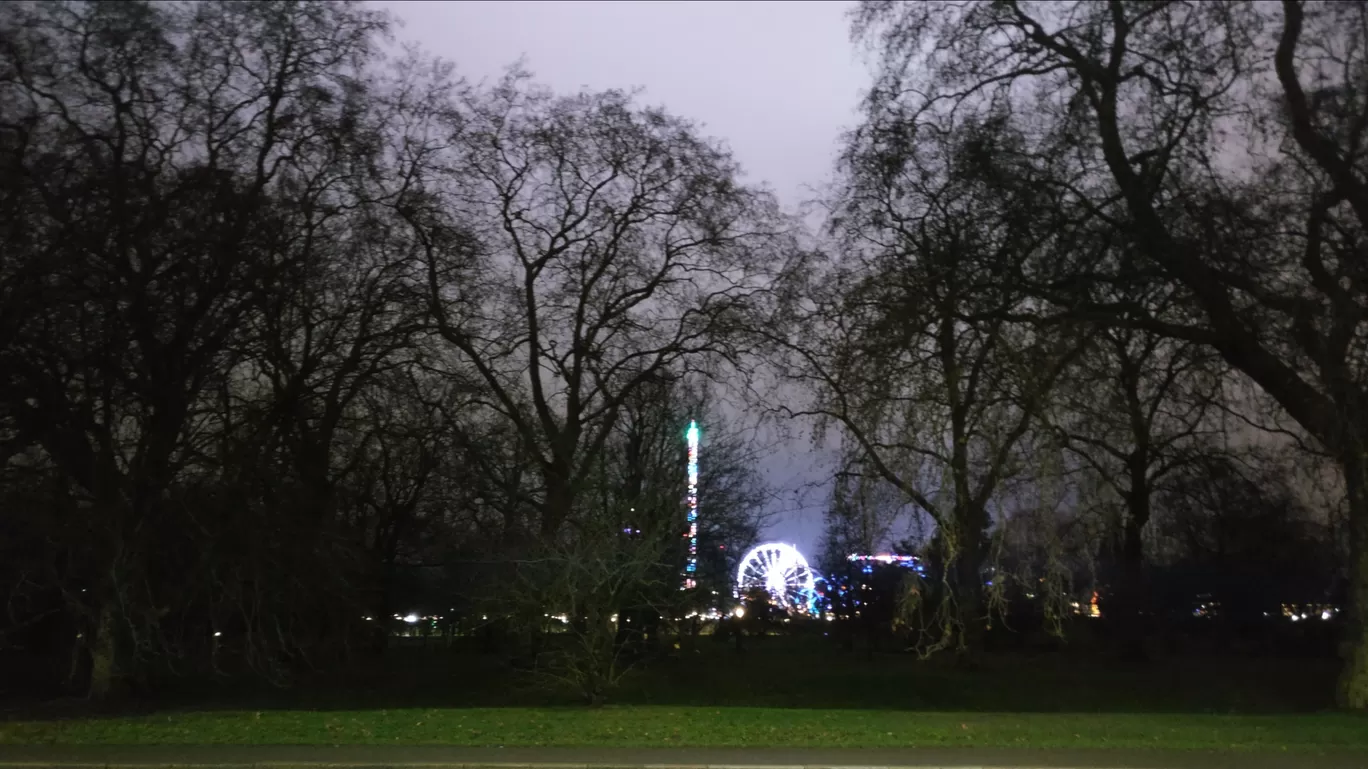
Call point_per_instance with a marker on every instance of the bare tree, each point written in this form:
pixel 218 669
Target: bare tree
pixel 907 345
pixel 1223 142
pixel 397 499
pixel 863 513
pixel 1136 407
pixel 156 155
pixel 604 245
pixel 589 581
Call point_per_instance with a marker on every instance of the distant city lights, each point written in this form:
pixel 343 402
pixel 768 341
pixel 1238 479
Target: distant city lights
pixel 1298 612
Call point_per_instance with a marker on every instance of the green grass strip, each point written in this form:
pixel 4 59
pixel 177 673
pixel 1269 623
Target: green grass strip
pixel 703 727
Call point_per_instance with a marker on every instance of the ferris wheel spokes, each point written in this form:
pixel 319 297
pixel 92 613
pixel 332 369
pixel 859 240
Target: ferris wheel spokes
pixel 779 570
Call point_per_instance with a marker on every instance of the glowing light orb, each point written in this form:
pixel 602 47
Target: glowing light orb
pixel 781 571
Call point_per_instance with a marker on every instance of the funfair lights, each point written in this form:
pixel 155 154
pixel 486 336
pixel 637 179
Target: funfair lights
pixel 691 568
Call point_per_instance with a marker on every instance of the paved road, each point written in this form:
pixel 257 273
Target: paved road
pixel 432 757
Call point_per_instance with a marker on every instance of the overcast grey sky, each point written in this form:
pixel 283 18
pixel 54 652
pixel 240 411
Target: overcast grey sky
pixel 778 81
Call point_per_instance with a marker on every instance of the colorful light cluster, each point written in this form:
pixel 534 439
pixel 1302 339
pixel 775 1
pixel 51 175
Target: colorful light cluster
pixel 906 561
pixel 885 558
pixel 851 588
pixel 691 569
pixel 781 571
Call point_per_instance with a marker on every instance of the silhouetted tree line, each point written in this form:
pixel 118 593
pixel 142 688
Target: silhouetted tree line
pixel 281 317
pixel 1091 256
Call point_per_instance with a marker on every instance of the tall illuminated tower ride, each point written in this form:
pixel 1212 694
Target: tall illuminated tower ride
pixel 691 569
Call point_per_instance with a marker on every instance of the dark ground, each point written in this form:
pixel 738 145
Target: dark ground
pixel 792 672
pixel 694 758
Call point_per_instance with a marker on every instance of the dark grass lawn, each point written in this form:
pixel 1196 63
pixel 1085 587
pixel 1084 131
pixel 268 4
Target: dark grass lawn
pixel 660 726
pixel 781 672
pixel 780 692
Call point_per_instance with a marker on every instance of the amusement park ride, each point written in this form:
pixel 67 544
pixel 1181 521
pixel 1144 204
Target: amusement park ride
pixel 775 567
pixel 781 571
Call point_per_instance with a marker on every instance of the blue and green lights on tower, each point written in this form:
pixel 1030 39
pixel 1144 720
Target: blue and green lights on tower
pixel 691 567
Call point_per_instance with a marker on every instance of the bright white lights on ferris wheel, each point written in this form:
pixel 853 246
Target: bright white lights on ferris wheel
pixel 782 572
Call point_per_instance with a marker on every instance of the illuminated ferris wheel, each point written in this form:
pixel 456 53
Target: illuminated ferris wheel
pixel 782 572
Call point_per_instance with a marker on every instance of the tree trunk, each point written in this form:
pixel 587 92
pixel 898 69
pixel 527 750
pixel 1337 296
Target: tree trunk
pixel 1133 606
pixel 1353 684
pixel 969 609
pixel 968 580
pixel 382 609
pixel 76 669
pixel 103 650
pixel 381 621
pixel 968 586
pixel 559 501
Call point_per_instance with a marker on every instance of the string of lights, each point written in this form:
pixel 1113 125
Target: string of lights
pixel 691 568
